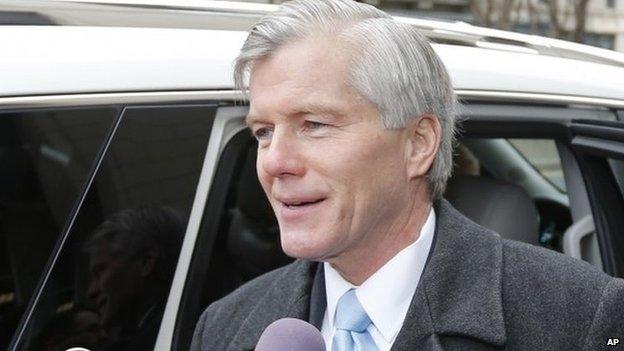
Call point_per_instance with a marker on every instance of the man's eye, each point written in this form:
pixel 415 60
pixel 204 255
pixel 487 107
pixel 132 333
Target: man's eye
pixel 313 125
pixel 261 133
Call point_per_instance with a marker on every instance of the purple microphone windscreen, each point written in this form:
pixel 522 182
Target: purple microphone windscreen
pixel 290 334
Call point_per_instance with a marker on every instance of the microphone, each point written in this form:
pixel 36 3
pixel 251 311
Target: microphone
pixel 290 334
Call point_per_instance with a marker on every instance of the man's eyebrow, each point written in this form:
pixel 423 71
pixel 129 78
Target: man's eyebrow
pixel 302 110
pixel 318 109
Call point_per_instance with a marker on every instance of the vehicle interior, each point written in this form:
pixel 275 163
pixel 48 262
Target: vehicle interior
pixel 476 189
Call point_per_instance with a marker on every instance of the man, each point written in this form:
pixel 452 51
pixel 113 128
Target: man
pixel 132 258
pixel 354 116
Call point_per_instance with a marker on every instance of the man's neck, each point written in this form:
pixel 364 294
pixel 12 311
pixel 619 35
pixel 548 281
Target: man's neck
pixel 357 266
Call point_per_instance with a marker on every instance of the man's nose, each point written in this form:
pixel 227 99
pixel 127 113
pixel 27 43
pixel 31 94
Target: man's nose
pixel 283 155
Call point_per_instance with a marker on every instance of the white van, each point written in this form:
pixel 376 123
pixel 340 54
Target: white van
pixel 120 117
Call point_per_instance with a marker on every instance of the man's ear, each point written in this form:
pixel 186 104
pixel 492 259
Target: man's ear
pixel 424 135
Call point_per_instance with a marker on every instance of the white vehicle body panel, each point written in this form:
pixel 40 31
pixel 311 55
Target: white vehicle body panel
pixel 40 60
pixel 494 70
pixel 50 60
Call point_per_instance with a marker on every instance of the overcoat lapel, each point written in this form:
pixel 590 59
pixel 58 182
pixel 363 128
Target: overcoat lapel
pixel 289 296
pixel 318 298
pixel 459 293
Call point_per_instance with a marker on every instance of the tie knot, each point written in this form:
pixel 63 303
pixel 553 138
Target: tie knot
pixel 350 314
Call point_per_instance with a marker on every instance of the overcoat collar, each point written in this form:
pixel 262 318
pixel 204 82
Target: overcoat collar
pixel 288 296
pixel 459 294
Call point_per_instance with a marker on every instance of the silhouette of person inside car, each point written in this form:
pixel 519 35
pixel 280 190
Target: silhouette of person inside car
pixel 132 257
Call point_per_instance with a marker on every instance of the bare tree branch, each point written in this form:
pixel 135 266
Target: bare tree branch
pixel 482 11
pixel 533 16
pixel 567 17
pixel 580 12
pixel 504 15
pixel 490 12
pixel 553 12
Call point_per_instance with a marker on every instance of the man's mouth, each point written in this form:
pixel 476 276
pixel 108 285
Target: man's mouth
pixel 300 204
pixel 295 209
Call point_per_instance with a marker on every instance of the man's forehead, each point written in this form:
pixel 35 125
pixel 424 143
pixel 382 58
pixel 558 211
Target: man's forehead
pixel 310 60
pixel 301 78
pixel 314 47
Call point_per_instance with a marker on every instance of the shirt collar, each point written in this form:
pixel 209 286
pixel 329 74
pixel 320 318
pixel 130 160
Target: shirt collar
pixel 385 306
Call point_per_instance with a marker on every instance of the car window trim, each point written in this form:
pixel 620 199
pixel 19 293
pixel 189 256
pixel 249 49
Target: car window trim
pixel 593 142
pixel 170 96
pixel 118 98
pixel 228 122
pixel 536 98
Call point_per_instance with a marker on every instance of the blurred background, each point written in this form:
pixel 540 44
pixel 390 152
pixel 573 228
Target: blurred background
pixel 598 23
pixel 594 22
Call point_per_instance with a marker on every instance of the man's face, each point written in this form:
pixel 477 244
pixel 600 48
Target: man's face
pixel 115 284
pixel 334 177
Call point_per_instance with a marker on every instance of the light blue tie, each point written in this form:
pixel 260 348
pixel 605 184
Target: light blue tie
pixel 351 322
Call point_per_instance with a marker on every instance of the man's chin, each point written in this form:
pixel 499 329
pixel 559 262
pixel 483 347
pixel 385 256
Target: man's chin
pixel 304 253
pixel 309 253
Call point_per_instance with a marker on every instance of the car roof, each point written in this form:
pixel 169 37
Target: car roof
pixel 51 59
pixel 55 59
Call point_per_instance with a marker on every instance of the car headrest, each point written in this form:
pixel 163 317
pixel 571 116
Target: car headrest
pixel 253 233
pixel 250 198
pixel 497 205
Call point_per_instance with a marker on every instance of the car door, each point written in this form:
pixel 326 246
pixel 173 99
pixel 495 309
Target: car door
pixel 599 150
pixel 108 279
pixel 238 237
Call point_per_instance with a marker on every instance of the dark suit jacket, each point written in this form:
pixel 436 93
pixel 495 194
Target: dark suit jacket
pixel 477 292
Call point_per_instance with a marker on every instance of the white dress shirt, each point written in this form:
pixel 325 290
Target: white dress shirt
pixel 385 295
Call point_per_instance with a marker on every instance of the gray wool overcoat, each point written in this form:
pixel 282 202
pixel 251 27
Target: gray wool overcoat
pixel 477 292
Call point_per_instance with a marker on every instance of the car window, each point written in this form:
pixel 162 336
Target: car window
pixel 110 281
pixel 543 155
pixel 485 169
pixel 45 158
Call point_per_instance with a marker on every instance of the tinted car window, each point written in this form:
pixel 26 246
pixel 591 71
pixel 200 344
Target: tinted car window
pixel 45 158
pixel 108 286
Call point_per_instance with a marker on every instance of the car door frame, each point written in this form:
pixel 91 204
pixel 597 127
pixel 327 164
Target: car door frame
pixel 525 114
pixel 592 143
pixel 229 121
pixel 535 119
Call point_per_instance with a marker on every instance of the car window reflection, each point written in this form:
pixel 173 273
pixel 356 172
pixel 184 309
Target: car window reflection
pixel 132 258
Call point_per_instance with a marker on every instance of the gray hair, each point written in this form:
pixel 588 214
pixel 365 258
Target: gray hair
pixel 132 233
pixel 395 67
